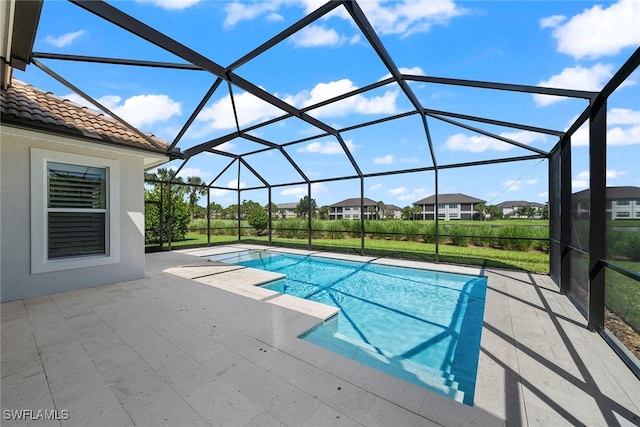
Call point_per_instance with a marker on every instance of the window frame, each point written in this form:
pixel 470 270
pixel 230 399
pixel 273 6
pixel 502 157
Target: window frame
pixel 39 212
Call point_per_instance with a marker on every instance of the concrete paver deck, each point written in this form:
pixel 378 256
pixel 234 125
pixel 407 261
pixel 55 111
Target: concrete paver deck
pixel 198 344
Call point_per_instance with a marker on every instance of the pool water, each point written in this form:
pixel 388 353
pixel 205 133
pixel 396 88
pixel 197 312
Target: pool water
pixel 420 325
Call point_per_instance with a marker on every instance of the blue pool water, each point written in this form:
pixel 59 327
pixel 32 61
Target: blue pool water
pixel 420 325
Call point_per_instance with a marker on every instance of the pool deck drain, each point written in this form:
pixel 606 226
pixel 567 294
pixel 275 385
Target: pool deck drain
pixel 167 350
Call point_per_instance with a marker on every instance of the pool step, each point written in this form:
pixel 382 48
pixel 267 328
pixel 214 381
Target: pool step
pixel 424 376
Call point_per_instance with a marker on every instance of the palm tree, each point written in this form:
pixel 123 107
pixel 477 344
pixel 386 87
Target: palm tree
pixel 196 190
pixel 380 209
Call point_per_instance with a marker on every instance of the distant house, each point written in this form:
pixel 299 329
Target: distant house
pixel 289 210
pixel 450 207
pixel 350 209
pixel 621 203
pixel 72 195
pixel 510 208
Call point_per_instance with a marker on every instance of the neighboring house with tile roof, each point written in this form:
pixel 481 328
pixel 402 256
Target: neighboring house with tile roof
pixel 510 208
pixel 621 203
pixel 72 185
pixel 450 207
pixel 351 209
pixel 286 210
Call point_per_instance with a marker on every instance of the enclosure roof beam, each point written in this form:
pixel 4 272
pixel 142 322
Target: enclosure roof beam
pixel 490 134
pixel 221 173
pixel 301 24
pixel 272 146
pixel 134 26
pixel 495 122
pixel 101 107
pixel 569 93
pixel 253 171
pixel 116 61
pixel 196 111
pixel 205 146
pixel 365 26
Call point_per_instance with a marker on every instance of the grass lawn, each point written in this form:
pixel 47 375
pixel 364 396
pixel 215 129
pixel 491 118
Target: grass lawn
pixel 528 261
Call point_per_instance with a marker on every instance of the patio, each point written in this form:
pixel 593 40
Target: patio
pixel 169 350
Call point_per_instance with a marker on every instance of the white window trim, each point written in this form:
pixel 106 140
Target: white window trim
pixel 39 225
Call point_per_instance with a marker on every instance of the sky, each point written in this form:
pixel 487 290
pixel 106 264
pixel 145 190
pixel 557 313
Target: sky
pixel 563 44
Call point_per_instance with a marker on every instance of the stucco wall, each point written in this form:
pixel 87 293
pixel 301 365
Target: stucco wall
pixel 16 280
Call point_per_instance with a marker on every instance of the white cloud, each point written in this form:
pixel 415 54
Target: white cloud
pixel 357 104
pixel 616 136
pixel 144 110
pixel 138 110
pixel 398 191
pixel 328 147
pixel 578 78
pixel 383 160
pixel 274 17
pixel 171 4
pixel 401 17
pixel 375 187
pixel 409 17
pixel 251 109
pixel 612 173
pixel 598 31
pixel 241 11
pixel 231 184
pixel 187 172
pixel 65 39
pixel 623 116
pixel 410 195
pixel 531 181
pixel 624 136
pixel 512 185
pixel 480 143
pixel 317 35
pixel 301 191
pixel 552 21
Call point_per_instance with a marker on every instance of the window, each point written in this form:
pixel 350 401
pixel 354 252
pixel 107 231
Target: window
pixel 441 215
pixel 77 210
pixel 623 202
pixel 441 206
pixel 623 214
pixel 453 206
pixel 453 215
pixel 74 211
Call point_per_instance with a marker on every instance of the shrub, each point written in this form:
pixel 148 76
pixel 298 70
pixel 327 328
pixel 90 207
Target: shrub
pixel 259 220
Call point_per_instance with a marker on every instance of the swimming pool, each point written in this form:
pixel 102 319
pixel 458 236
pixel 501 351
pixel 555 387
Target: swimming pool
pixel 420 325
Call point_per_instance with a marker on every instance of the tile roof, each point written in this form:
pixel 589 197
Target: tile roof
pixel 518 204
pixel 449 198
pixel 24 105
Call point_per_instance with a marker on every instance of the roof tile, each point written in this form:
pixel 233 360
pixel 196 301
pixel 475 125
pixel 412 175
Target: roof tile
pixel 24 104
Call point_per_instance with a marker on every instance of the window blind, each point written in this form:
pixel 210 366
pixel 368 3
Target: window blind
pixel 77 210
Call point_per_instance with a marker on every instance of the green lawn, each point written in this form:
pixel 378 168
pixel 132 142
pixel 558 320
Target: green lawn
pixel 529 261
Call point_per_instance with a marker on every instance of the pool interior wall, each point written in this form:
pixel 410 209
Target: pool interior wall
pixel 420 325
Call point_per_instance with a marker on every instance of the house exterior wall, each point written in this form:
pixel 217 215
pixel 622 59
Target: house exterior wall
pixel 448 211
pixel 16 279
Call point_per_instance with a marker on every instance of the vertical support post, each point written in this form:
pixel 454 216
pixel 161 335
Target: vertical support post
pixel 208 217
pixel 565 214
pixel 161 231
pixel 436 217
pixel 597 202
pixel 269 210
pixel 238 210
pixel 308 216
pixel 169 217
pixel 361 216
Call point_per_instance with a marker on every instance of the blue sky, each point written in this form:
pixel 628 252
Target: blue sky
pixel 567 44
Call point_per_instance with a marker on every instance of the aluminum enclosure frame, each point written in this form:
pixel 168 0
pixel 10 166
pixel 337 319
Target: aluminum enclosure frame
pixel 559 156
